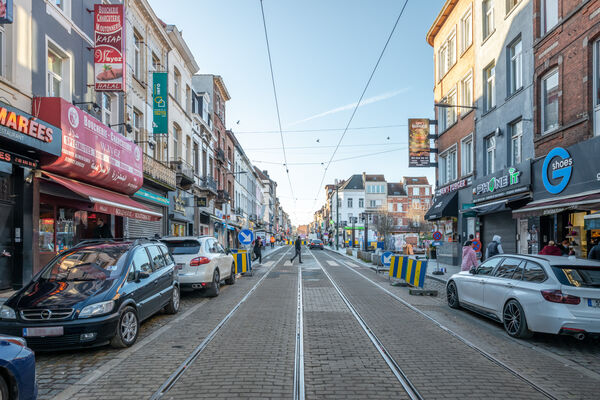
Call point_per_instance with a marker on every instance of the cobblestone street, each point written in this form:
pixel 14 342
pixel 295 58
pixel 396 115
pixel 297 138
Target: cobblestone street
pixel 250 352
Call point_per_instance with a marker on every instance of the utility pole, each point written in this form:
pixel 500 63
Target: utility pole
pixel 366 231
pixel 353 219
pixel 337 217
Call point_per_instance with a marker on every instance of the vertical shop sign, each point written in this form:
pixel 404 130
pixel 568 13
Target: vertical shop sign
pixel 109 51
pixel 159 103
pixel 418 142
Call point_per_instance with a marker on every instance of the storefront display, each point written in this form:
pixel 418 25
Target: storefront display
pixel 181 213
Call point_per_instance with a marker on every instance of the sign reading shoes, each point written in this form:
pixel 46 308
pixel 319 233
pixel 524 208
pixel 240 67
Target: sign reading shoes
pixel 557 170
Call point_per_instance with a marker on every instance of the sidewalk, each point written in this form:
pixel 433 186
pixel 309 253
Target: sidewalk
pixel 432 266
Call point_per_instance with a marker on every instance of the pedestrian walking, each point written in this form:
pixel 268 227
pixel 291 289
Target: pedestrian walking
pixel 551 249
pixel 408 249
pixel 594 253
pixel 495 247
pixel 272 241
pixel 298 247
pixel 469 257
pixel 470 239
pixel 258 249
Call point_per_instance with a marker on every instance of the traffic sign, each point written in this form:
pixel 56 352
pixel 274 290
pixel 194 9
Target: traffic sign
pixel 477 246
pixel 246 236
pixel 386 258
pixel 436 244
pixel 437 236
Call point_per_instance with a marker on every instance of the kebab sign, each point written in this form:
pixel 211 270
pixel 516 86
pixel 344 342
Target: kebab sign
pixel 109 51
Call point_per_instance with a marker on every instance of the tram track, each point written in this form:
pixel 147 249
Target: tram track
pixel 299 391
pixel 440 325
pixel 197 351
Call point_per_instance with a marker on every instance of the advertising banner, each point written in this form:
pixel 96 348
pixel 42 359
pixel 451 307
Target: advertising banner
pixel 109 50
pixel 159 103
pixel 418 142
pixel 91 151
pixel 6 11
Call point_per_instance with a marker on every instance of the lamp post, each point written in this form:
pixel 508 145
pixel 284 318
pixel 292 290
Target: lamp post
pixel 337 217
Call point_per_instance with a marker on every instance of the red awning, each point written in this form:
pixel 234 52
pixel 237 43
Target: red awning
pixel 106 201
pixel 555 205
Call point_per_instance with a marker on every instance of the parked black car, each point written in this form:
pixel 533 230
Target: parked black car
pixel 93 294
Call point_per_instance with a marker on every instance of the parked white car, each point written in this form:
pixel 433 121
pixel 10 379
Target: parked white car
pixel 202 262
pixel 549 294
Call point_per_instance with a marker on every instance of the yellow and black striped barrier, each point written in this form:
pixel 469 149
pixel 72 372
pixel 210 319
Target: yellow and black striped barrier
pixel 243 262
pixel 408 269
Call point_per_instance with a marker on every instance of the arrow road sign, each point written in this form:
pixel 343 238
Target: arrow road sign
pixel 246 236
pixel 386 258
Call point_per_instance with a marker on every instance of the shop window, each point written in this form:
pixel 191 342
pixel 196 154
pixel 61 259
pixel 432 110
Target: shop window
pixel 466 31
pixel 489 76
pixel 550 102
pixel 549 15
pixel 515 52
pixel 490 154
pixel 488 18
pixel 46 228
pixel 516 142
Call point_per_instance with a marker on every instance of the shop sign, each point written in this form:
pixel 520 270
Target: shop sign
pixel 179 203
pixel 153 197
pixel 16 159
pixel 568 171
pixel 218 213
pixel 6 11
pixel 25 129
pixel 160 96
pixel 109 50
pixel 91 151
pixel 201 202
pixel 453 187
pixel 506 182
pixel 418 142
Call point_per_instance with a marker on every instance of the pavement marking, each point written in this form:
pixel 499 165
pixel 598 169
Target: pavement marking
pixel 288 263
pixel 299 351
pixel 456 335
pixel 168 384
pixel 333 263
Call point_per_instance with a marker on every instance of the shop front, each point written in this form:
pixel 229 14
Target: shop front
pixel 566 196
pixel 24 141
pixel 84 193
pixel 494 198
pixel 181 213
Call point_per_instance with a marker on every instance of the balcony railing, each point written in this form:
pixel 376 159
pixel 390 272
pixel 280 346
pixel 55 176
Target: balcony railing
pixel 222 196
pixel 159 172
pixel 220 154
pixel 206 183
pixel 184 172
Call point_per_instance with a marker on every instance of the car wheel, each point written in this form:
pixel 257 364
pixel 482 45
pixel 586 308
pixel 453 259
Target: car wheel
pixel 216 283
pixel 513 317
pixel 231 279
pixel 173 306
pixel 452 295
pixel 4 392
pixel 128 328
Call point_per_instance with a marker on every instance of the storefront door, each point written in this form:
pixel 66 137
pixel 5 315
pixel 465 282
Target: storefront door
pixel 522 245
pixel 6 230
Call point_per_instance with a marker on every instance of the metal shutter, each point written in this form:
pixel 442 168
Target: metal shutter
pixel 135 228
pixel 501 224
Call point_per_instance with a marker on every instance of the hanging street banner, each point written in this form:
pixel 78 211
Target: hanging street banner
pixel 159 103
pixel 109 50
pixel 418 142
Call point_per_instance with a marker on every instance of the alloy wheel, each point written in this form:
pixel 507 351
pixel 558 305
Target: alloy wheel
pixel 176 298
pixel 451 295
pixel 128 326
pixel 512 318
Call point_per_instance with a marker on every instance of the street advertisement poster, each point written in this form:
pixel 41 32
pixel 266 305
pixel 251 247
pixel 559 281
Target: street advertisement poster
pixel 6 11
pixel 418 142
pixel 109 50
pixel 159 103
pixel 91 151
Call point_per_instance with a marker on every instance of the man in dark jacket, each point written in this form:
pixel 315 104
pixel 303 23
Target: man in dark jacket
pixel 102 231
pixel 258 249
pixel 298 247
pixel 594 253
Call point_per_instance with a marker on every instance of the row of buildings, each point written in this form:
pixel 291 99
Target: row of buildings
pixel 516 93
pixel 72 156
pixel 362 198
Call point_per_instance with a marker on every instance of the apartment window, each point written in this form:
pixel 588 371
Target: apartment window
pixel 399 209
pixel 442 61
pixel 361 203
pixel 350 203
pixel 138 121
pixel 176 140
pixel 515 66
pixel 391 207
pixel 451 111
pixel 490 154
pixel 415 191
pixel 466 31
pixel 447 166
pixel 489 75
pixel 549 14
pixel 488 18
pixel 55 74
pixel 516 142
pixel 416 204
pixel 442 116
pixel 451 50
pixel 372 203
pixel 3 57
pixel 466 154
pixel 188 99
pixel 106 109
pixel 339 203
pixel 550 101
pixel 466 89
pixel 156 64
pixel 137 54
pixel 177 85
pixel 510 4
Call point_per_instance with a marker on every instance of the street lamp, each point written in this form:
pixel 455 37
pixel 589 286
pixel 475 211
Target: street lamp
pixel 446 105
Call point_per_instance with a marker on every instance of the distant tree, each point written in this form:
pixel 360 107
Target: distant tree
pixel 384 223
pixel 417 222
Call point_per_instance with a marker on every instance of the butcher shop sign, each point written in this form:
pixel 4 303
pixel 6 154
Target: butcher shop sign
pixel 109 50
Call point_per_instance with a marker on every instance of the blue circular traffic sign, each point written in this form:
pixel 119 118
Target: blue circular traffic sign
pixel 437 236
pixel 246 236
pixel 386 258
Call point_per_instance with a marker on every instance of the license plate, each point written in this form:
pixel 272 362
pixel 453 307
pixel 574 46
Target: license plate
pixel 594 302
pixel 180 266
pixel 42 332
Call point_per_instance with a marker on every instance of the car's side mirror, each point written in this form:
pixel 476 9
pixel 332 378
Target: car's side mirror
pixel 473 271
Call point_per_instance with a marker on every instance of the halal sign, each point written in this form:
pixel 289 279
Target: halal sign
pixel 557 170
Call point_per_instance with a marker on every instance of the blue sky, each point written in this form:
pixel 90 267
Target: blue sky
pixel 323 52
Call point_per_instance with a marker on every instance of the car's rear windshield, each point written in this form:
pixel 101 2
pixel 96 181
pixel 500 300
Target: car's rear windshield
pixel 586 276
pixel 188 246
pixel 99 262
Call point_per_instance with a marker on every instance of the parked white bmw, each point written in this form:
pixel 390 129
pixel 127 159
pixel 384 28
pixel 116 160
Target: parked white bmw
pixel 202 262
pixel 529 294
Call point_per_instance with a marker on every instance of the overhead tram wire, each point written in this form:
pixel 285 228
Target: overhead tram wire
pixel 339 159
pixel 328 129
pixel 361 96
pixel 287 171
